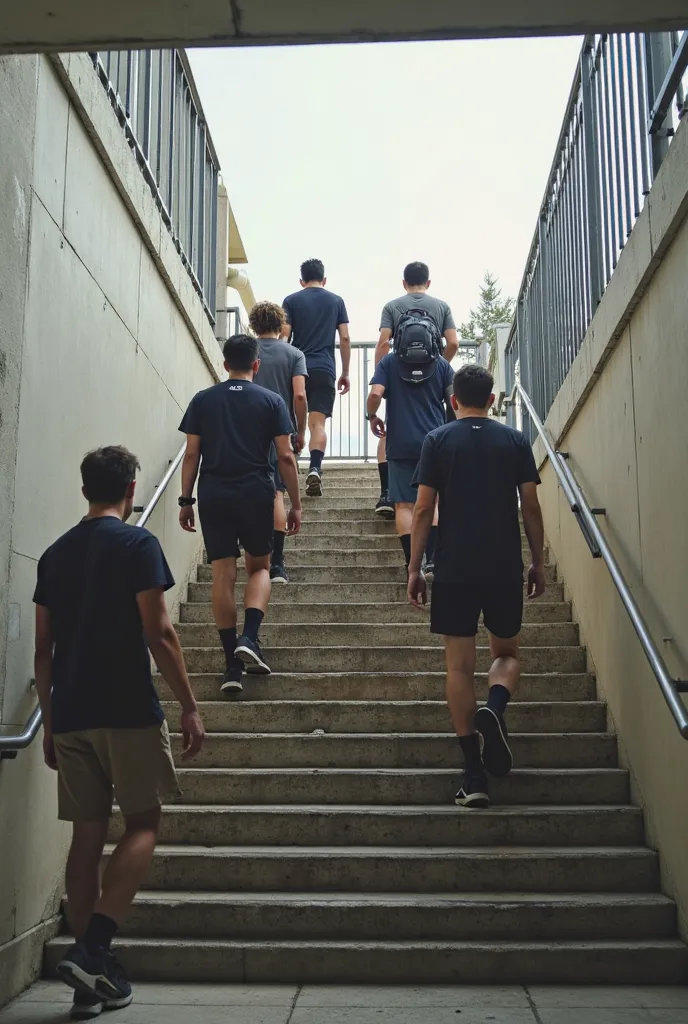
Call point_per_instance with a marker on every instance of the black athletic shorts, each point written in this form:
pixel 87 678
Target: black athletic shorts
pixel 227 524
pixel 456 607
pixel 320 392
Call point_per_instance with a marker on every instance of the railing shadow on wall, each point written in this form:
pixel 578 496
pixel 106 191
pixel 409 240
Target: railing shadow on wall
pixel 627 98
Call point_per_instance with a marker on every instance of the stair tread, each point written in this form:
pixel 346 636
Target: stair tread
pixel 399 810
pixel 64 941
pixel 435 899
pixel 407 852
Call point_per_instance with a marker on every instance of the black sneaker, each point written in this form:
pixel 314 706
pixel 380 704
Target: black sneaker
pixel 248 651
pixel 429 571
pixel 384 507
pixel 231 681
pixel 497 756
pixel 474 793
pixel 96 974
pixel 278 574
pixel 314 484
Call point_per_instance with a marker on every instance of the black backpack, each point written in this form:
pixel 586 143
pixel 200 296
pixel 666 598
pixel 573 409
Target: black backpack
pixel 417 346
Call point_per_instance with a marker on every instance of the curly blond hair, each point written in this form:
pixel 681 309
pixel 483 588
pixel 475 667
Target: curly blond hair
pixel 267 318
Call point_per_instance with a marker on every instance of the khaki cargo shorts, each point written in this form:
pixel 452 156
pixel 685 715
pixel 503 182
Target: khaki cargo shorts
pixel 133 765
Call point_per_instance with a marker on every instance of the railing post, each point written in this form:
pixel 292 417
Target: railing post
pixel 592 179
pixel 658 57
pixel 364 403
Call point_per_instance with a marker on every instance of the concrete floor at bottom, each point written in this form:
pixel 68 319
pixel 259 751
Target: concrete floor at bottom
pixel 48 1003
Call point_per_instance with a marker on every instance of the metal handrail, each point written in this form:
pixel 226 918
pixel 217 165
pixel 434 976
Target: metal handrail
pixel 10 745
pixel 585 516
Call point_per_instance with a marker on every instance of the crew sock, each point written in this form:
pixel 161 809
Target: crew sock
pixel 278 548
pixel 498 698
pixel 316 459
pixel 100 933
pixel 252 620
pixel 383 470
pixel 405 541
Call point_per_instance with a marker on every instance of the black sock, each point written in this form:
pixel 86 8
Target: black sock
pixel 383 470
pixel 100 933
pixel 405 541
pixel 498 698
pixel 430 546
pixel 471 752
pixel 278 548
pixel 252 620
pixel 229 639
pixel 316 459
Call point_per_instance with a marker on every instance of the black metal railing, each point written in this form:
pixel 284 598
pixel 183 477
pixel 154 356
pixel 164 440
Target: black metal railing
pixel 154 96
pixel 627 99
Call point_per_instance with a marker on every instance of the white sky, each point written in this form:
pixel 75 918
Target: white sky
pixel 373 155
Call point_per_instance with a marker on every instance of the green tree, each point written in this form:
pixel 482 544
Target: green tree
pixel 494 309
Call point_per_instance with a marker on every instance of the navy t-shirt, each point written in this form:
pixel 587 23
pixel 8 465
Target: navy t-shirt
pixel 237 422
pixel 413 410
pixel 89 580
pixel 314 315
pixel 477 464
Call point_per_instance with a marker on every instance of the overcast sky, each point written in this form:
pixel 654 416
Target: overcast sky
pixel 370 156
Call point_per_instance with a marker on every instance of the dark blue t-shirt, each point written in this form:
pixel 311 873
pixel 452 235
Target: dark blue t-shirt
pixel 89 580
pixel 413 410
pixel 314 315
pixel 237 422
pixel 477 464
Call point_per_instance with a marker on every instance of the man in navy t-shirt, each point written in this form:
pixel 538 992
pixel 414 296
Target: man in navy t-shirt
pixel 230 429
pixel 314 317
pixel 479 468
pixel 100 608
pixel 413 410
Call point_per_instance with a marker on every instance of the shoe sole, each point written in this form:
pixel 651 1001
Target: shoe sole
pixel 474 801
pixel 254 664
pixel 279 579
pixel 497 756
pixel 385 511
pixel 106 1006
pixel 314 486
pixel 231 686
pixel 77 978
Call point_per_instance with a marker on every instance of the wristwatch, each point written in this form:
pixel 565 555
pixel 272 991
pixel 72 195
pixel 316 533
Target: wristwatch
pixel 185 502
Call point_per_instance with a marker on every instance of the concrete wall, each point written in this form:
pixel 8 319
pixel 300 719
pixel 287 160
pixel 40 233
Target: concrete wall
pixel 621 415
pixel 105 341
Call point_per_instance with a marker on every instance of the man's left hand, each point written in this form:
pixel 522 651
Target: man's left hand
pixel 344 384
pixel 417 590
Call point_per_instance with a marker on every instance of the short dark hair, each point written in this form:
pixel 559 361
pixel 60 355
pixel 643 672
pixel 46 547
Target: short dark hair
pixel 473 386
pixel 267 318
pixel 108 473
pixel 312 270
pixel 416 273
pixel 240 352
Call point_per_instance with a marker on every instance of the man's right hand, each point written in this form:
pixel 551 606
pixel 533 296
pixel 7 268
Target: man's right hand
pixel 193 734
pixel 417 590
pixel 293 521
pixel 536 581
pixel 378 426
pixel 187 519
pixel 49 751
pixel 299 443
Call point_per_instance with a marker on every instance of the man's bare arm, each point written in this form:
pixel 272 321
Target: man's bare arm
pixel 384 344
pixel 535 532
pixel 43 673
pixel 190 464
pixel 452 346
pixel 289 472
pixel 298 385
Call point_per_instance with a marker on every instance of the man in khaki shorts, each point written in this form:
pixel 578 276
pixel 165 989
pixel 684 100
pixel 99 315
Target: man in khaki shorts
pixel 100 608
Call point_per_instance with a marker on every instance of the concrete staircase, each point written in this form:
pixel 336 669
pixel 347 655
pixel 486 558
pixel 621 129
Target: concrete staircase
pixel 318 840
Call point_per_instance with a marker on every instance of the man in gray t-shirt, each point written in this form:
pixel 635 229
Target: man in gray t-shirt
pixel 416 284
pixel 283 370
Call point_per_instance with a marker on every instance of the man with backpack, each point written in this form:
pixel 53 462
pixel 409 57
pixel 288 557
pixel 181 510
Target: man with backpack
pixel 416 382
pixel 416 284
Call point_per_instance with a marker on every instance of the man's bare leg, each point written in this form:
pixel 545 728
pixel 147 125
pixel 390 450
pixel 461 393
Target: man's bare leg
pixel 502 680
pixel 256 600
pixel 461 660
pixel 277 573
pixel 82 878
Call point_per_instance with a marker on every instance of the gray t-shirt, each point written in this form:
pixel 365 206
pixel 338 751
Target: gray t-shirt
pixel 279 362
pixel 436 308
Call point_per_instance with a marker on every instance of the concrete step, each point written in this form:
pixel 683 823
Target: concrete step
pixel 381 686
pixel 309 537
pixel 379 593
pixel 284 716
pixel 285 611
pixel 644 961
pixel 392 750
pixel 407 870
pixel 374 786
pixel 367 571
pixel 398 826
pixel 421 916
pixel 350 634
pixel 334 489
pixel 381 659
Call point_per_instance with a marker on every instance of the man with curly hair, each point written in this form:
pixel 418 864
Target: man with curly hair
pixel 283 370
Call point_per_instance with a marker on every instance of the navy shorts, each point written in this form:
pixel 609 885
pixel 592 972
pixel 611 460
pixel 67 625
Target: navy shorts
pixel 401 476
pixel 320 392
pixel 227 524
pixel 455 608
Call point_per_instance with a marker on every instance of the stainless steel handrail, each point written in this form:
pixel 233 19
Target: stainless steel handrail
pixel 670 687
pixel 10 745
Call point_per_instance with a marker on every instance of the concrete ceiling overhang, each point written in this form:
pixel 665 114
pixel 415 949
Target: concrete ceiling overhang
pixel 34 25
